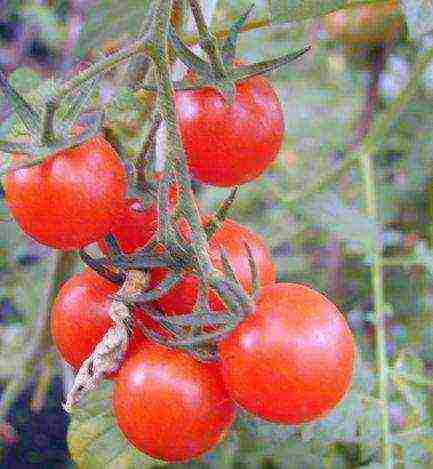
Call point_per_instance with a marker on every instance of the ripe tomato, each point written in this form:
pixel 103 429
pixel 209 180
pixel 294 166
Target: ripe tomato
pixel 367 24
pixel 292 360
pixel 137 225
pixel 169 405
pixel 134 228
pixel 79 317
pixel 72 198
pixel 231 236
pixel 227 144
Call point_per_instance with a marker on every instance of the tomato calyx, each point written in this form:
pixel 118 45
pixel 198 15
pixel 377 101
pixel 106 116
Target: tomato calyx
pixel 221 71
pixel 45 140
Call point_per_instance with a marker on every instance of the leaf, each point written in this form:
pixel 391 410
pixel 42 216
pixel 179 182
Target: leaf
pixel 332 213
pixel 274 12
pixel 110 19
pixel 419 16
pixel 95 441
pixel 294 10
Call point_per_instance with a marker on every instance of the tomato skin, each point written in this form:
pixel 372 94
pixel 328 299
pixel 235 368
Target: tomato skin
pixel 137 224
pixel 231 236
pixel 229 145
pixel 72 198
pixel 134 228
pixel 80 319
pixel 292 360
pixel 366 24
pixel 169 405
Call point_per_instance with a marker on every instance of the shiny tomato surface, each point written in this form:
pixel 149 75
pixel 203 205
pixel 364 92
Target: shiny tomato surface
pixel 71 199
pixel 232 144
pixel 170 406
pixel 291 361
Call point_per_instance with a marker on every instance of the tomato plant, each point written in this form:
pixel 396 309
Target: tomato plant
pixel 361 25
pixel 72 198
pixel 229 144
pixel 231 237
pixel 292 360
pixel 171 406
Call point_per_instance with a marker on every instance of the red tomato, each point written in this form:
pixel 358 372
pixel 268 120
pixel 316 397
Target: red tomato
pixel 80 319
pixel 72 198
pixel 229 145
pixel 136 225
pixel 169 405
pixel 231 236
pixel 292 360
pixel 134 228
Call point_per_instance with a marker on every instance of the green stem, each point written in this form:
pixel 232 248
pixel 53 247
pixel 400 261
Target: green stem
pixel 176 158
pixel 208 41
pixel 106 64
pixel 379 306
pixel 59 269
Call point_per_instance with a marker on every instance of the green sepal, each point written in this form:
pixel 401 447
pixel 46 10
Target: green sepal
pixel 28 116
pixel 74 106
pixel 41 153
pixel 14 147
pixel 254 271
pixel 194 319
pixel 100 266
pixel 191 60
pixel 228 48
pixel 248 71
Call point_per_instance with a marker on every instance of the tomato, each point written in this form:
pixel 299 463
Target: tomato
pixel 170 406
pixel 366 24
pixel 72 198
pixel 231 236
pixel 137 224
pixel 292 360
pixel 227 144
pixel 79 318
pixel 134 228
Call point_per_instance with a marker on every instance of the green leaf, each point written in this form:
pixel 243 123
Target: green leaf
pixel 278 11
pixel 333 214
pixel 419 16
pixel 95 441
pixel 110 19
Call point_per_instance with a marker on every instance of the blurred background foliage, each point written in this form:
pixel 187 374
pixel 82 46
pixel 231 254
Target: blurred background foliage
pixel 325 241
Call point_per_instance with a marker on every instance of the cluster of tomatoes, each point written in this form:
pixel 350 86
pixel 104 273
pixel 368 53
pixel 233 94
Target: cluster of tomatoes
pixel 289 361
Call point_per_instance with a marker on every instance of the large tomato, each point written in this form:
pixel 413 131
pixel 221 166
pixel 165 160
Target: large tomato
pixel 80 319
pixel 366 24
pixel 72 198
pixel 171 406
pixel 230 237
pixel 292 360
pixel 232 144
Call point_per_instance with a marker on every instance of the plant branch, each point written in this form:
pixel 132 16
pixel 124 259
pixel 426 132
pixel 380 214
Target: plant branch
pixel 379 306
pixel 176 158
